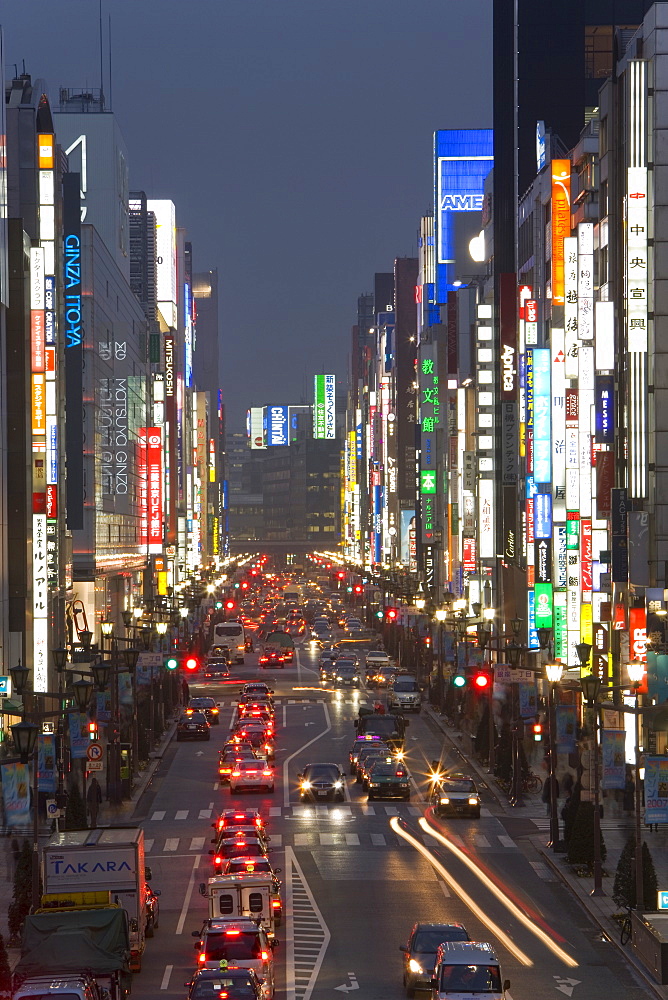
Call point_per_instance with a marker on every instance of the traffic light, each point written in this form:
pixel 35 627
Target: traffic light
pixel 244 585
pixel 537 730
pixel 482 680
pixel 341 575
pixel 459 680
pixel 191 663
pixel 379 614
pixel 230 605
pixel 359 589
pixel 219 605
pixel 92 730
pixel 171 663
pixel 391 614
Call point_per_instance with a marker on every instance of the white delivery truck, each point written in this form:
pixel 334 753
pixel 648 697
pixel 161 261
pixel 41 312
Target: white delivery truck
pixel 243 895
pixel 108 858
pixel 232 635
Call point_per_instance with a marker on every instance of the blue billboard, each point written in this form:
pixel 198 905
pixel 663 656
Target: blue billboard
pixel 462 160
pixel 277 425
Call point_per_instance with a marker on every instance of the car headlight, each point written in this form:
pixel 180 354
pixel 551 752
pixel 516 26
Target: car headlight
pixel 374 784
pixel 415 966
pixel 445 801
pixel 306 785
pixel 473 801
pixel 338 784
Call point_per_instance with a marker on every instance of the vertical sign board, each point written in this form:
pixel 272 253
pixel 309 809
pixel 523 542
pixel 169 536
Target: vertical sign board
pixel 561 225
pixel 277 426
pixel 324 409
pixel 256 428
pixel 509 393
pixel 154 489
pixel 39 604
pixel 430 419
pixel 142 477
pixel 73 340
pixel 171 433
pixel 542 413
pixel 462 160
pixel 635 282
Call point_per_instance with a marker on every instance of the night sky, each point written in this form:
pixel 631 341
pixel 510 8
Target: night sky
pixel 294 137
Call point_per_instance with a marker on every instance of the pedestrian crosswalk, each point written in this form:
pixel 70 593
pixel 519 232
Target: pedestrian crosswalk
pixel 316 811
pixel 312 839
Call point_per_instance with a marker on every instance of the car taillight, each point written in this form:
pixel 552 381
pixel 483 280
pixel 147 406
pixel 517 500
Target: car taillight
pixel 264 956
pixel 233 933
pixel 266 773
pixel 239 816
pixel 276 904
pixel 202 957
pixel 214 711
pixel 218 860
pixel 236 774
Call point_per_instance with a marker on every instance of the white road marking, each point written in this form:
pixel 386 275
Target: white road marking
pixel 378 839
pixel 447 893
pixel 391 811
pixel 157 816
pixel 276 839
pixel 216 786
pixel 368 810
pixel 204 814
pixel 486 813
pixel 505 840
pixel 300 934
pixel 275 811
pixel 285 715
pixel 429 841
pixel 352 840
pixel 188 896
pixel 182 814
pixel 211 805
pixel 414 811
pixel 327 839
pixel 166 977
pixel 480 840
pixel 286 776
pixel 302 839
pixel 171 844
pixel 197 844
pixel 148 845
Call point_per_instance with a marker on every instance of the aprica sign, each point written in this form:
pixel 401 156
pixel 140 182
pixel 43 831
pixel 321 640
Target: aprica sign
pixel 508 369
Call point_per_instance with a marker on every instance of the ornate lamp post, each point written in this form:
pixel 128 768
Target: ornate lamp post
pixel 553 671
pixel 636 671
pixel 591 690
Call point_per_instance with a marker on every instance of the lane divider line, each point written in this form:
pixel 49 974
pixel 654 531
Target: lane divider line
pixel 463 895
pixel 494 889
pixel 286 782
pixel 166 977
pixel 188 896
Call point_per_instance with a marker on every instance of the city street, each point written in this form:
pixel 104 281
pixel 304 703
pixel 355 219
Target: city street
pixel 356 875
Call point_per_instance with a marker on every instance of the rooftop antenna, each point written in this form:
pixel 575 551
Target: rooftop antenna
pixel 101 63
pixel 110 89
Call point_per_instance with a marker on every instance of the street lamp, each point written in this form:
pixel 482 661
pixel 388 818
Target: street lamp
pixel 636 671
pixel 19 676
pixel 24 735
pixel 127 617
pixel 82 690
pixel 101 670
pixel 591 689
pixel 440 614
pixel 59 659
pixel 553 671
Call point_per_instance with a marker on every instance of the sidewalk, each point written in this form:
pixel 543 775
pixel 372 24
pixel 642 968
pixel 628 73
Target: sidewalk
pixel 108 815
pixel 615 833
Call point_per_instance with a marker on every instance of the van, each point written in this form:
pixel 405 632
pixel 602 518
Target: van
pixel 231 634
pixel 243 895
pixel 463 968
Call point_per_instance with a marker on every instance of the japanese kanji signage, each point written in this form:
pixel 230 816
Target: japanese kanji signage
pixel 39 602
pixel 150 492
pixel 431 417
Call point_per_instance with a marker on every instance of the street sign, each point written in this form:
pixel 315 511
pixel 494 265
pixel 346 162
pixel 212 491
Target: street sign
pixel 663 900
pixel 5 687
pixel 94 765
pixel 48 728
pixel 52 810
pixel 94 751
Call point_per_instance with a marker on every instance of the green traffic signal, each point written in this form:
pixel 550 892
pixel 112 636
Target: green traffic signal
pixel 379 614
pixel 459 680
pixel 171 663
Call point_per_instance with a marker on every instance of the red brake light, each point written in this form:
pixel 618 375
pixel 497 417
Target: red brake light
pixel 239 816
pixel 276 903
pixel 218 860
pixel 236 774
pixel 266 773
pixel 233 933
pixel 264 956
pixel 202 956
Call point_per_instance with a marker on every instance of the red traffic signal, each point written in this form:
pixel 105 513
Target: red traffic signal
pixel 340 575
pixel 191 663
pixel 230 605
pixel 482 680
pixel 244 585
pixel 391 614
pixel 92 730
pixel 359 589
pixel 537 730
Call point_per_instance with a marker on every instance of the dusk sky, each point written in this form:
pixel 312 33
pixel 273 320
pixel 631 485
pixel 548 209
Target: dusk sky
pixel 294 137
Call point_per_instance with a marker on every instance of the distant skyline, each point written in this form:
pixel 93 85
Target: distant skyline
pixel 295 138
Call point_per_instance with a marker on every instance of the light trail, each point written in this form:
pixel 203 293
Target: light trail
pixel 493 888
pixel 463 895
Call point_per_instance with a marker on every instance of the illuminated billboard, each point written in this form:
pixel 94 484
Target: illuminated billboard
pixel 561 225
pixel 165 245
pixel 255 427
pixel 462 160
pixel 324 407
pixel 277 425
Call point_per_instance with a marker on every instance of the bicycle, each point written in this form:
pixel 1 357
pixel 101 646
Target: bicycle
pixel 626 929
pixel 531 782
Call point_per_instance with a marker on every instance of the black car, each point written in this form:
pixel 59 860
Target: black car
pixel 346 674
pixel 210 708
pixel 193 726
pixel 420 952
pixel 322 781
pixel 233 983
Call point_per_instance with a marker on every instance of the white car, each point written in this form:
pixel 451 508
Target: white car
pixel 252 774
